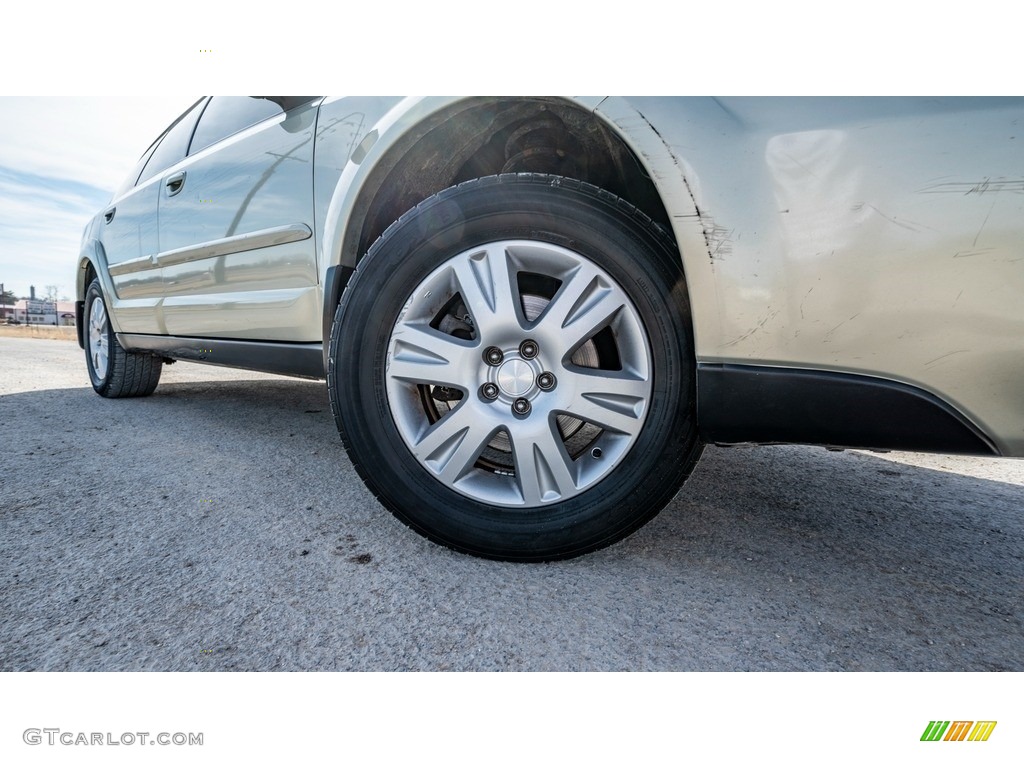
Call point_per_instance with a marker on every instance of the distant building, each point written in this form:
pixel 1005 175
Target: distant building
pixel 65 313
pixel 38 312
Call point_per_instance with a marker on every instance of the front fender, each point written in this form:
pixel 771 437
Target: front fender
pixel 92 254
pixel 361 161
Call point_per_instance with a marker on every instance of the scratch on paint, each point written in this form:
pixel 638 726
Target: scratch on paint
pixel 718 239
pixel 943 357
pixel 805 299
pixel 828 334
pixel 983 225
pixel 975 252
pixel 958 297
pixel 700 215
pixel 912 226
pixel 755 329
pixel 975 187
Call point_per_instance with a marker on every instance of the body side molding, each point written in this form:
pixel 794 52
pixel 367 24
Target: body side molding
pixel 225 246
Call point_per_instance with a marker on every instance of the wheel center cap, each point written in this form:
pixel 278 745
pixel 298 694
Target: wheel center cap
pixel 515 378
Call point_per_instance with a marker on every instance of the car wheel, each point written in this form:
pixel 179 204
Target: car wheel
pixel 113 371
pixel 511 368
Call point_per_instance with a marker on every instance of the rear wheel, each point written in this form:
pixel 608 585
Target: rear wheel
pixel 113 371
pixel 511 368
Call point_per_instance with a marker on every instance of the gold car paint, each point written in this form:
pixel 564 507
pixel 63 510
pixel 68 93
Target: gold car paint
pixel 870 236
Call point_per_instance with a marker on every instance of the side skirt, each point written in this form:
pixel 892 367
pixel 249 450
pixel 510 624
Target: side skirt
pixel 762 404
pixel 302 360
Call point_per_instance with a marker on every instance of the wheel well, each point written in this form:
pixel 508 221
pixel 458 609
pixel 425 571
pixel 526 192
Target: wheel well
pixel 87 271
pixel 482 137
pixel 90 275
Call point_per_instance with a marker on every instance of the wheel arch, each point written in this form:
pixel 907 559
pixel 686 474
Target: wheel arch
pixel 423 146
pixel 92 264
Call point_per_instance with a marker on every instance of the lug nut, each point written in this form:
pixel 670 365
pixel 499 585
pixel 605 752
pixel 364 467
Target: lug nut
pixel 529 349
pixel 493 356
pixel 546 381
pixel 489 391
pixel 521 406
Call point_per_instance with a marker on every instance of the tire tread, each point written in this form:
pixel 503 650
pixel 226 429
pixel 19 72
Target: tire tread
pixel 129 374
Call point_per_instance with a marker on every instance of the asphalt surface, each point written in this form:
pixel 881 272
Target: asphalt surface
pixel 218 525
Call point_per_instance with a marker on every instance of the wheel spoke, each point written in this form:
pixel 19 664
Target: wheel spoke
pixel 422 355
pixel 452 445
pixel 502 391
pixel 542 465
pixel 97 340
pixel 617 403
pixel 586 303
pixel 488 286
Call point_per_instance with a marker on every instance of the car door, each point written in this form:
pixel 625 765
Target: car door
pixel 237 253
pixel 130 230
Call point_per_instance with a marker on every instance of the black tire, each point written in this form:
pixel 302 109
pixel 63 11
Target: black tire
pixel 113 371
pixel 534 223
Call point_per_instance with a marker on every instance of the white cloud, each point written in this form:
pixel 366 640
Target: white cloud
pixel 68 141
pixel 40 240
pixel 94 140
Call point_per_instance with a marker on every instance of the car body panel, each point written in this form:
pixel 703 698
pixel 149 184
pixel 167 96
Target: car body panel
pixel 372 146
pixel 874 236
pixel 879 238
pixel 236 254
pixel 137 314
pixel 131 237
pixel 342 128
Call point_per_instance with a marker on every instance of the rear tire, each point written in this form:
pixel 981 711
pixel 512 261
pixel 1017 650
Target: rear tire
pixel 113 371
pixel 511 368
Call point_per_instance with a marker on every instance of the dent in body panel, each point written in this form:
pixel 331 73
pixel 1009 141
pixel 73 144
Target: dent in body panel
pixel 125 313
pixel 888 291
pixel 285 266
pixel 275 257
pixel 138 316
pixel 840 262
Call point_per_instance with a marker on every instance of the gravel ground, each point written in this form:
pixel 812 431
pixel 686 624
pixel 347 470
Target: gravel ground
pixel 218 525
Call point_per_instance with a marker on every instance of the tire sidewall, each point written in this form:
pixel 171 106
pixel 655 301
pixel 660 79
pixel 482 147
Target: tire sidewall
pixel 633 255
pixel 100 384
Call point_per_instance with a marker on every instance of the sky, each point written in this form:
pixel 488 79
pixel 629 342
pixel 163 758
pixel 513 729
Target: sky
pixel 61 158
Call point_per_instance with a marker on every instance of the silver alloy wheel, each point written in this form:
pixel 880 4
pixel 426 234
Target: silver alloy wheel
pixel 556 410
pixel 99 352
